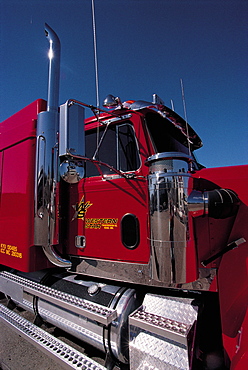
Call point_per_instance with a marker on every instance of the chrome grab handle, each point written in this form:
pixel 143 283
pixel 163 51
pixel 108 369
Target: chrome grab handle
pixel 40 166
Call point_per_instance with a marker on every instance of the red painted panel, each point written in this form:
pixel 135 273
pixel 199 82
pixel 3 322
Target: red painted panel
pixel 105 203
pixel 17 197
pixel 232 275
pixel 240 347
pixel 17 148
pixel 21 125
pixel 233 177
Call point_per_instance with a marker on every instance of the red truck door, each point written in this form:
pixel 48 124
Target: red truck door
pixel 110 207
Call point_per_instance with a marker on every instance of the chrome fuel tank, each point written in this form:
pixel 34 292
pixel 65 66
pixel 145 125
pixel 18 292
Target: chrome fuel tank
pixel 113 337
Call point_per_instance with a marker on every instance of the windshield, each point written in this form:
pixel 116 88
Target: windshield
pixel 164 136
pixel 167 138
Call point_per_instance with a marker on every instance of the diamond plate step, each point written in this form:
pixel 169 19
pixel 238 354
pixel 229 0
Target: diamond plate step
pixel 175 308
pixel 162 333
pixel 15 286
pixel 148 352
pixel 65 355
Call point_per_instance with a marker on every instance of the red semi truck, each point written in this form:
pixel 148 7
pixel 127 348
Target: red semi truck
pixel 112 231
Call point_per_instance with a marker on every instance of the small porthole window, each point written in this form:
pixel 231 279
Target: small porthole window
pixel 130 231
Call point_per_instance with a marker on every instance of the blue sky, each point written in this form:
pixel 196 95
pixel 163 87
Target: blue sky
pixel 144 47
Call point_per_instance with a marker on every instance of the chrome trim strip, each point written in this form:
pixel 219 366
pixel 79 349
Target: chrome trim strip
pixel 170 155
pixel 134 273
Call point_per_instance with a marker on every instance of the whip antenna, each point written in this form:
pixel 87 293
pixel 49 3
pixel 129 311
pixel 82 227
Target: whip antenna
pixel 95 53
pixel 172 105
pixel 185 115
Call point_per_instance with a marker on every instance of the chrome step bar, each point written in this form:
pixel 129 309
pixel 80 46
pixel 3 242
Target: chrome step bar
pixel 62 353
pixel 16 286
pixel 170 329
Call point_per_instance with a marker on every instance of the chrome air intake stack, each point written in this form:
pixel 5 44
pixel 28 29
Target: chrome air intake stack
pixel 168 191
pixel 46 157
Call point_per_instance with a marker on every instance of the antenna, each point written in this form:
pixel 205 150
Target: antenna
pixel 95 53
pixel 172 105
pixel 185 115
pixel 96 73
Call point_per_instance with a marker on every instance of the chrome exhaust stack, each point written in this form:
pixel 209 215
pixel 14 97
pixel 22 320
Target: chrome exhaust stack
pixel 54 69
pixel 46 158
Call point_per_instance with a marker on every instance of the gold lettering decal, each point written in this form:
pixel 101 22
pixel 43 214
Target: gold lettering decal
pixel 98 223
pixel 10 250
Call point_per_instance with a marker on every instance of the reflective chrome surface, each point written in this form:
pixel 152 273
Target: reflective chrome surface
pixel 197 203
pixel 162 333
pixel 127 303
pixel 46 159
pixel 71 142
pixel 168 191
pixel 71 171
pixel 65 355
pixel 111 101
pixel 217 203
pixel 71 129
pixel 54 257
pixel 46 178
pixel 97 313
pixel 54 69
pixel 134 273
pixel 141 104
pixel 157 100
pixel 169 161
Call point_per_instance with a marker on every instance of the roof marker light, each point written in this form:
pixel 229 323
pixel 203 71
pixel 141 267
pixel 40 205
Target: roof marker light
pixel 111 101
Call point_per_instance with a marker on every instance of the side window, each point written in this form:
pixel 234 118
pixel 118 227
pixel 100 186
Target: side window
pixel 128 157
pixel 107 151
pixel 118 149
